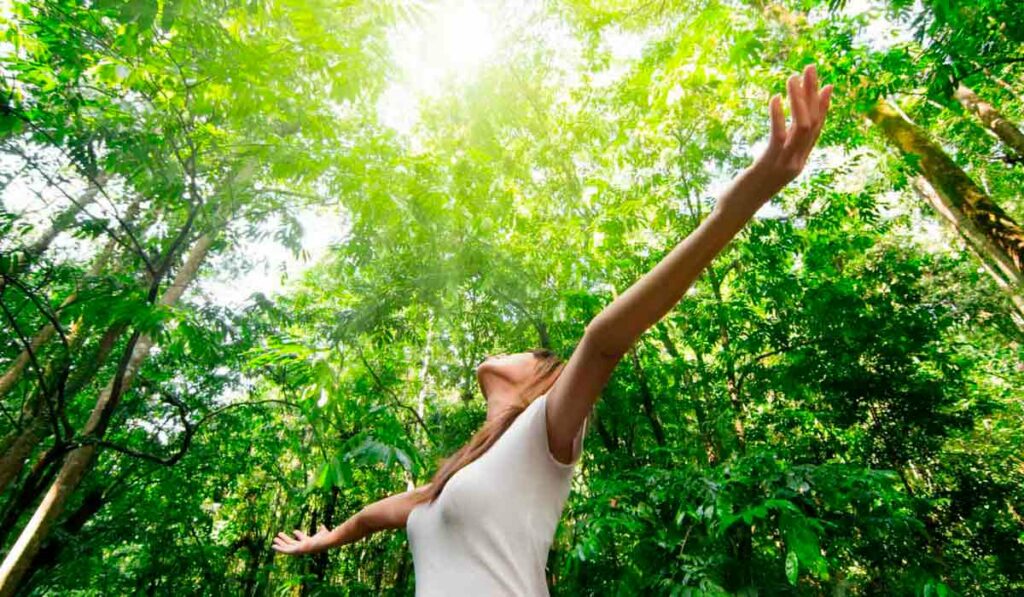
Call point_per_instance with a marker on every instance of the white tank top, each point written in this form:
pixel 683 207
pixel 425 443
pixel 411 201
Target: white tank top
pixel 490 530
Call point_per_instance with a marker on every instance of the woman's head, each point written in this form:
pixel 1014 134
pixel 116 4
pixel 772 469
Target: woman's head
pixel 521 377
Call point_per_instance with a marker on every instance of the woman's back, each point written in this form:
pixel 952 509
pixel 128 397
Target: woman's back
pixel 490 530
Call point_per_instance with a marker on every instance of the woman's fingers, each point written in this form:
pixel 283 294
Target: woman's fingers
pixel 826 100
pixel 790 146
pixel 810 89
pixel 798 110
pixel 778 122
pixel 286 544
pixel 822 100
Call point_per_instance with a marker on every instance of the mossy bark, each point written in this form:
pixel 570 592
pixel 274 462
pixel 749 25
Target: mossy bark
pixel 970 208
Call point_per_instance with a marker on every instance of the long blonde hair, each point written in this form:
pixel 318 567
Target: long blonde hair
pixel 548 363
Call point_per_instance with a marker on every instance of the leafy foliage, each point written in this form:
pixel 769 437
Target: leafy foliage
pixel 835 404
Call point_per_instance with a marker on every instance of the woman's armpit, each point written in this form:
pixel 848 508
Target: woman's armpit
pixel 546 443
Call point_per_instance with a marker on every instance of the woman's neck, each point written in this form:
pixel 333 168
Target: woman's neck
pixel 499 399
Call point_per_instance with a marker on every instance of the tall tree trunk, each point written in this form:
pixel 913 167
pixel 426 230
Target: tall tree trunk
pixel 251 566
pixel 42 474
pixel 731 386
pixel 610 442
pixel 51 550
pixel 421 396
pixel 99 264
pixel 321 560
pixel 61 221
pixel 402 574
pixel 993 120
pixel 311 566
pixel 18 444
pixel 970 206
pixel 14 371
pixel 980 244
pixel 78 461
pixel 39 424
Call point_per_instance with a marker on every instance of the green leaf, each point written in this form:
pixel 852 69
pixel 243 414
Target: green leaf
pixel 801 539
pixel 792 567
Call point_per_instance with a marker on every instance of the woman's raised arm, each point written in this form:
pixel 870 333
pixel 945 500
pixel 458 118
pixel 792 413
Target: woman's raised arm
pixel 388 513
pixel 618 326
pixel 622 322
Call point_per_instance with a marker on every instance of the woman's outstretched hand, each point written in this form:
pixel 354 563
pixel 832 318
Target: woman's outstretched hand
pixel 788 148
pixel 303 543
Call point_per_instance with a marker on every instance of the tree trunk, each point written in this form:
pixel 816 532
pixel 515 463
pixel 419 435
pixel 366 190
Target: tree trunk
pixel 39 426
pixel 403 574
pixel 610 443
pixel 980 244
pixel 970 206
pixel 731 386
pixel 18 444
pixel 42 474
pixel 78 461
pixel 19 447
pixel 50 553
pixel 993 120
pixel 13 373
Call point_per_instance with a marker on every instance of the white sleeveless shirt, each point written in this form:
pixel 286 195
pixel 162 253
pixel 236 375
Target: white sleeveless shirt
pixel 490 530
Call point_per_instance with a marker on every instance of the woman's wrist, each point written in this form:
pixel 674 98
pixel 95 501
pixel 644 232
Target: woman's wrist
pixel 350 530
pixel 335 537
pixel 751 189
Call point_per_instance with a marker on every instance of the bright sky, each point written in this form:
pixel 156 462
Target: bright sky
pixel 273 266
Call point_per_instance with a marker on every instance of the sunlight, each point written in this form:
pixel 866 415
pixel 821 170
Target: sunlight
pixel 454 39
pixel 445 48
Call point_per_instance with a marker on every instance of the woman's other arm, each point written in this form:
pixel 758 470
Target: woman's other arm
pixel 388 513
pixel 611 334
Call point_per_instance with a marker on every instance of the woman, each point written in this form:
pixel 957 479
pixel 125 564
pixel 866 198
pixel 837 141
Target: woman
pixel 485 522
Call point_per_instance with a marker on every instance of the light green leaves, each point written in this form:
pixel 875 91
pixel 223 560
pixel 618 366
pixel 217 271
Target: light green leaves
pixel 792 567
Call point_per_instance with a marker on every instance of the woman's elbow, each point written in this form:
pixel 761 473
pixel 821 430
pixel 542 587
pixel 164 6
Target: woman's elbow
pixel 597 335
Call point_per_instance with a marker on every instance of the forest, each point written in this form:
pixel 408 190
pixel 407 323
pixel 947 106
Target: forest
pixel 251 252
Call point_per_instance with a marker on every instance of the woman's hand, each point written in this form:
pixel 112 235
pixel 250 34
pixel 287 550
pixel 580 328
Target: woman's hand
pixel 303 543
pixel 788 148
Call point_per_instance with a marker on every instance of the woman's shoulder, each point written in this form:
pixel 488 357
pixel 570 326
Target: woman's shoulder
pixel 537 428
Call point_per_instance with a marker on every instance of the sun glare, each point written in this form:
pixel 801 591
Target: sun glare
pixel 450 43
pixel 447 46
